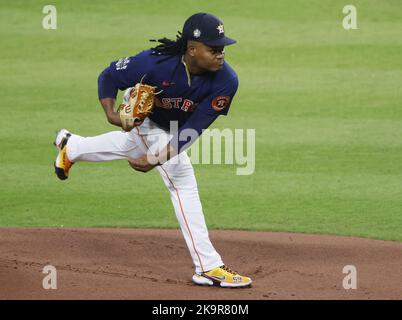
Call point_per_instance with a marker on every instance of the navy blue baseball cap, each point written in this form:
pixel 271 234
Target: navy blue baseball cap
pixel 206 28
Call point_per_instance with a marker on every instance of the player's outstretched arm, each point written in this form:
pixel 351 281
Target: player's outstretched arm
pixel 112 116
pixel 150 161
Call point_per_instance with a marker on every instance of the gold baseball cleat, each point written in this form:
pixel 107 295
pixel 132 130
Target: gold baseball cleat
pixel 223 277
pixel 62 164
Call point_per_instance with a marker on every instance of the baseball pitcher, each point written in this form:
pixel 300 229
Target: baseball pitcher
pixel 184 82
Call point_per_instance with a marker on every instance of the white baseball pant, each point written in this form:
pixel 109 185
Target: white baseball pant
pixel 177 173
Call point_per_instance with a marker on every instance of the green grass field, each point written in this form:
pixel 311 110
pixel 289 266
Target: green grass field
pixel 326 104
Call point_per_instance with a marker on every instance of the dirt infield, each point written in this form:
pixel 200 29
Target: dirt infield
pixel 154 264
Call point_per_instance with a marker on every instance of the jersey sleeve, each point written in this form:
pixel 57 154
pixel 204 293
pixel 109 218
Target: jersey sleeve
pixel 128 71
pixel 106 86
pixel 218 103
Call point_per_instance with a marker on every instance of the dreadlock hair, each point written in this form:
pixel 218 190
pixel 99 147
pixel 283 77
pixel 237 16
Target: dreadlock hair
pixel 168 47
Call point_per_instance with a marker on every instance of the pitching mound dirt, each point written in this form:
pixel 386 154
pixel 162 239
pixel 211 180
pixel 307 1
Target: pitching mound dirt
pixel 155 264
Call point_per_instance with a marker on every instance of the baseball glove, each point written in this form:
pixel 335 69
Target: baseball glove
pixel 138 103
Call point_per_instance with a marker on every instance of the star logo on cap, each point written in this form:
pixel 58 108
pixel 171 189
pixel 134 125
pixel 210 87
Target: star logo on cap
pixel 220 28
pixel 197 33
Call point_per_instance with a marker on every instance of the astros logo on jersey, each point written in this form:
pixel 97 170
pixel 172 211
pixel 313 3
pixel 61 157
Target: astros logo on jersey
pixel 220 103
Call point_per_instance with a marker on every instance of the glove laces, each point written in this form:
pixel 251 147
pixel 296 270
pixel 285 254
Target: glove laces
pixel 143 98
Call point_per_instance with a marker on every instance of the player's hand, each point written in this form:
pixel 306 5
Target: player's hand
pixel 144 163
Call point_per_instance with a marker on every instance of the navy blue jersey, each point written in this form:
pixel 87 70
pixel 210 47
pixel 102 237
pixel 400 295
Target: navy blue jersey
pixel 195 101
